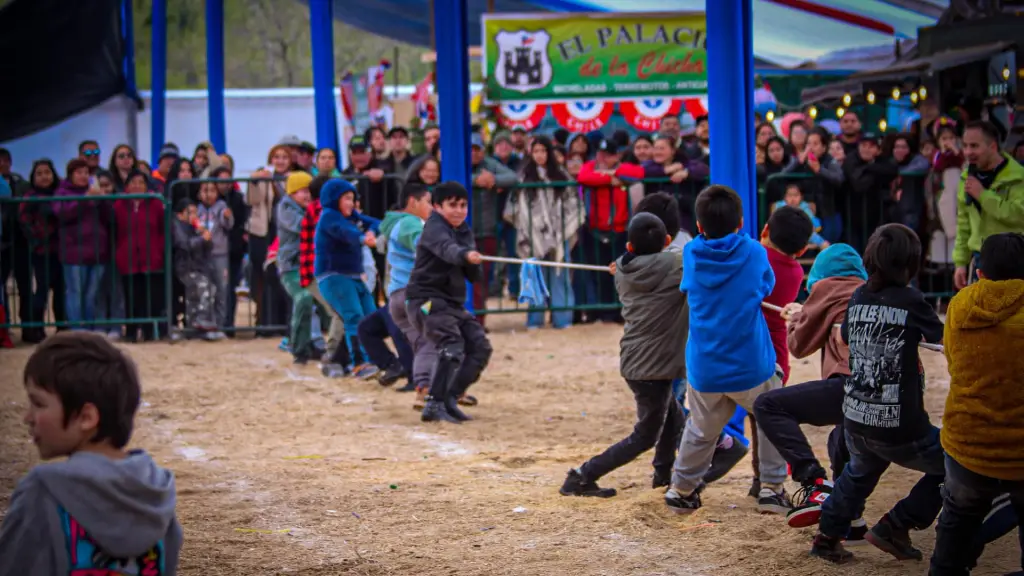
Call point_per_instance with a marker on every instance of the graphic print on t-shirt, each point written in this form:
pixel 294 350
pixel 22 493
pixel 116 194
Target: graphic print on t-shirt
pixel 85 558
pixel 877 336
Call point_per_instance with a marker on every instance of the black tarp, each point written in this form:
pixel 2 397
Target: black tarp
pixel 57 58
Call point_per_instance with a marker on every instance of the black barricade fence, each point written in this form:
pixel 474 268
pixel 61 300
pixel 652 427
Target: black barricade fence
pixel 851 214
pixel 87 262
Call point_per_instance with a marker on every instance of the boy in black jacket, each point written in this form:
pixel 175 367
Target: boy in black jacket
pixel 446 258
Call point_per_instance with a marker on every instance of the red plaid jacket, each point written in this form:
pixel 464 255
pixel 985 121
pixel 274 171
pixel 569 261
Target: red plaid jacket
pixel 307 254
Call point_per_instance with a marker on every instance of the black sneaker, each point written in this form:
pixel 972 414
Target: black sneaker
pixel 393 374
pixel 755 488
pixel 681 504
pixel 435 411
pixel 857 535
pixel 661 480
pixel 576 485
pixel 893 540
pixel 410 386
pixel 771 502
pixel 724 460
pixel 830 549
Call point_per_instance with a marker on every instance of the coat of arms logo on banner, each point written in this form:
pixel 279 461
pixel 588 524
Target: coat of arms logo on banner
pixel 523 63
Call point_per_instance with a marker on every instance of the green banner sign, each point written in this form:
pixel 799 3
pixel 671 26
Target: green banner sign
pixel 601 56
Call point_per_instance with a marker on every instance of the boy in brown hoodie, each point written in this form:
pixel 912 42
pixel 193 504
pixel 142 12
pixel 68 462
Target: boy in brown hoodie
pixel 983 425
pixel 837 272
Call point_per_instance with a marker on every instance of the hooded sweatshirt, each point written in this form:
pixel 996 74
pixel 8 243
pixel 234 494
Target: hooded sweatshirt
pixel 836 273
pixel 92 513
pixel 400 232
pixel 999 208
pixel 655 314
pixel 338 242
pixel 289 229
pixel 983 426
pixel 728 349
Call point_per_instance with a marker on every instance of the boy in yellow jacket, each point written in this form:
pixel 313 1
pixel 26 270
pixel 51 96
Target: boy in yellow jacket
pixel 983 425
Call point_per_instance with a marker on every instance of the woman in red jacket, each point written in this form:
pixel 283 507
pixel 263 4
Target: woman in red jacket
pixel 604 182
pixel 139 254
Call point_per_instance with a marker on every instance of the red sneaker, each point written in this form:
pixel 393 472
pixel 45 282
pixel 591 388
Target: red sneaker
pixel 807 504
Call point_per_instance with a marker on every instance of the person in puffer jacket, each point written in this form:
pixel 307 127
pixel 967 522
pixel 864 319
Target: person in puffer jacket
pixel 192 265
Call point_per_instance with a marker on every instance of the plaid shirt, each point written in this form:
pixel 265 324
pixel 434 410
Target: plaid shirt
pixel 307 253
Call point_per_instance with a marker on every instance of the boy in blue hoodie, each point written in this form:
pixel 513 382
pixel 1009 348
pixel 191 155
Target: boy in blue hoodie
pixel 729 355
pixel 103 510
pixel 338 261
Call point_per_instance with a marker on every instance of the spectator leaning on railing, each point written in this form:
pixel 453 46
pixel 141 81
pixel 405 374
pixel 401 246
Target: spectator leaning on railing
pixel 39 224
pixel 990 199
pixel 139 254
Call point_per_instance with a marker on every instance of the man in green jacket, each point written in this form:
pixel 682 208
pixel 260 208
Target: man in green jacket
pixel 990 199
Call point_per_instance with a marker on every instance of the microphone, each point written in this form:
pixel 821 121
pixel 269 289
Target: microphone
pixel 972 172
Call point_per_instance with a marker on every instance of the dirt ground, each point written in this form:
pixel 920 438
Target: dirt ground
pixel 280 471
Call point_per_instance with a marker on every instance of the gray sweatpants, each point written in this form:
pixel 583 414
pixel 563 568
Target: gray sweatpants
pixel 337 330
pixel 220 264
pixel 709 413
pixel 425 354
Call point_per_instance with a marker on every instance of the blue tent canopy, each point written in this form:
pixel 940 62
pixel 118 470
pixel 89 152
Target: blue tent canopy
pixel 782 34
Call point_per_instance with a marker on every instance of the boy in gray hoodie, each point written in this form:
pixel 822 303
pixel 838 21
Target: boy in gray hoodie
pixel 647 279
pixel 104 510
pixel 215 216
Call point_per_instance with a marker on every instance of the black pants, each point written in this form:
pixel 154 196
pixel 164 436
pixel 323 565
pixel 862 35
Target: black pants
pixel 230 299
pixel 659 423
pixel 144 298
pixel 461 343
pixel 16 259
pixel 967 499
pixel 374 330
pixel 277 305
pixel 49 275
pixel 780 413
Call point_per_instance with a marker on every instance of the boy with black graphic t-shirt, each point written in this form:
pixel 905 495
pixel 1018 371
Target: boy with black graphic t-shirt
pixel 885 419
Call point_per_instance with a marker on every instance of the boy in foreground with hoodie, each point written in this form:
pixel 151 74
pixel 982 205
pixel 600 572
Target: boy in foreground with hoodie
pixel 446 258
pixel 983 425
pixel 104 509
pixel 647 279
pixel 729 356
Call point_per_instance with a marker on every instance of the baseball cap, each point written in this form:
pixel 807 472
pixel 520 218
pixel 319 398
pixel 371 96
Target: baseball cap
pixel 357 142
pixel 476 140
pixel 519 129
pixel 168 151
pixel 398 130
pixel 868 137
pixel 307 147
pixel 290 140
pixel 502 137
pixel 608 146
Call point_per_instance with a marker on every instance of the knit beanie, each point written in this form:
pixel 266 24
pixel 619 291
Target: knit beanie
pixel 297 180
pixel 836 260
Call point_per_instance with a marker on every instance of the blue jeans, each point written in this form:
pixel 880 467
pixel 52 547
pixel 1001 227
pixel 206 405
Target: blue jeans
pixel 350 299
pixel 832 228
pixel 559 283
pixel 869 459
pixel 111 304
pixel 84 287
pixel 967 499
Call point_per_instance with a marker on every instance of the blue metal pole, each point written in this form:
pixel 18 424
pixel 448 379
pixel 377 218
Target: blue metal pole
pixel 158 84
pixel 731 101
pixel 215 74
pixel 452 45
pixel 321 31
pixel 128 35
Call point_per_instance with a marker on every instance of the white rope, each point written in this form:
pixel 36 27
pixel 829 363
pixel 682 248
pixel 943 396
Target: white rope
pixel 570 265
pixel 925 345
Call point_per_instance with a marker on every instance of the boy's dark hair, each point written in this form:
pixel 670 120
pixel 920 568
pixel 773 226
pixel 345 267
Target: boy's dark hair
pixel 790 229
pixel 1002 256
pixel 84 143
pixel 221 171
pixel 719 211
pixel 182 205
pixel 892 257
pixel 413 190
pixel 83 368
pixel 646 234
pixel 449 190
pixel 664 206
pixel 318 183
pixel 136 173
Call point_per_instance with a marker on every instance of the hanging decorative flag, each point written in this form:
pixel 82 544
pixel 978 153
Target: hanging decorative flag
pixel 646 113
pixel 375 88
pixel 348 97
pixel 582 115
pixel 696 107
pixel 421 97
pixel 525 115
